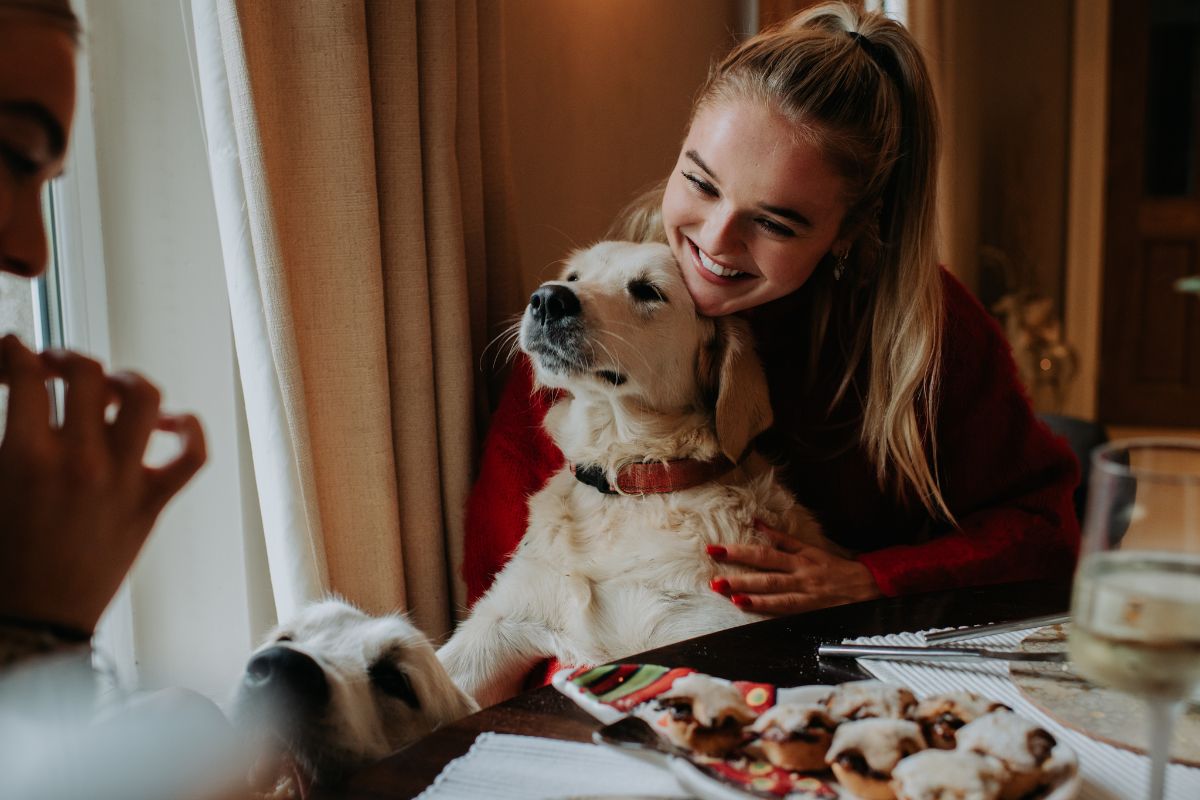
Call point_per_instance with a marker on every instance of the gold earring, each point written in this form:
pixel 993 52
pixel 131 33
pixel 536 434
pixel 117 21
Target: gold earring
pixel 839 266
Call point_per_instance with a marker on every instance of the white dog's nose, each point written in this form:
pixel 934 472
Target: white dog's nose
pixel 287 673
pixel 553 302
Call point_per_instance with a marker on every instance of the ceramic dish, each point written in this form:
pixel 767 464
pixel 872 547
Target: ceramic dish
pixel 614 691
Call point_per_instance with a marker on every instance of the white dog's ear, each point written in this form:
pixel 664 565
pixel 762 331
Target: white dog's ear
pixel 743 404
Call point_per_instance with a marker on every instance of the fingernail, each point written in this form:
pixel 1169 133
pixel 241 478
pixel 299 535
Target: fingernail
pixel 741 601
pixel 720 586
pixel 717 552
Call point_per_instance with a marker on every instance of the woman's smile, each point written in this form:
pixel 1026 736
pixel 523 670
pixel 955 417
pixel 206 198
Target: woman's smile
pixel 711 270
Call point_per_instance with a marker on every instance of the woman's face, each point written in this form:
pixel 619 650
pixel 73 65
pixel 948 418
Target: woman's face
pixel 37 103
pixel 750 209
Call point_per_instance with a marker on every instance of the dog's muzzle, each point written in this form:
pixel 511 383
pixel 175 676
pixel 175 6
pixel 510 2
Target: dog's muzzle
pixel 287 679
pixel 553 329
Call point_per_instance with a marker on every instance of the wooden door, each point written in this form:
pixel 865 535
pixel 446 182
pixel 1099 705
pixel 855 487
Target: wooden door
pixel 1150 337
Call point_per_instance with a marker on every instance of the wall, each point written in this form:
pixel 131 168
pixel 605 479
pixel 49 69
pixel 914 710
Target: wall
pixel 598 94
pixel 169 318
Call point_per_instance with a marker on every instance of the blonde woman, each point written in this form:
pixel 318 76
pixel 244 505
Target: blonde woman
pixel 803 200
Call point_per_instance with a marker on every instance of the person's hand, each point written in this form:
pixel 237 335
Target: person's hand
pixel 77 501
pixel 790 576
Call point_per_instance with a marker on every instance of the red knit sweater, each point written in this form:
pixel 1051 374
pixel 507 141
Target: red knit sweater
pixel 1005 477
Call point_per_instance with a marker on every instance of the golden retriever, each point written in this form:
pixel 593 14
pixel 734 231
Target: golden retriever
pixel 644 379
pixel 333 689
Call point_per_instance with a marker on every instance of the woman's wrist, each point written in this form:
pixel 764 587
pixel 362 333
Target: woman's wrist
pixel 865 587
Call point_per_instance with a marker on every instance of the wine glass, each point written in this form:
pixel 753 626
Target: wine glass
pixel 1135 611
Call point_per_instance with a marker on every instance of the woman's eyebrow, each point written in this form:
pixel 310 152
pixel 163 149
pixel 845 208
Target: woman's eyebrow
pixel 694 156
pixel 787 213
pixel 39 115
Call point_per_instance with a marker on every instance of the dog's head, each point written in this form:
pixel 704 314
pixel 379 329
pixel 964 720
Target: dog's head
pixel 335 688
pixel 620 325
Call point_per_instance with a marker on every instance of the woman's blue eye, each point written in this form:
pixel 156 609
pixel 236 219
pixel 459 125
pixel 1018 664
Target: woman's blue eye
pixel 700 184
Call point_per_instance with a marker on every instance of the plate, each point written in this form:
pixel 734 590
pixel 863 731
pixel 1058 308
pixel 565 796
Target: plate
pixel 1103 714
pixel 614 691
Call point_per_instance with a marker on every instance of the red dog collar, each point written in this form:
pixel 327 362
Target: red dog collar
pixel 654 477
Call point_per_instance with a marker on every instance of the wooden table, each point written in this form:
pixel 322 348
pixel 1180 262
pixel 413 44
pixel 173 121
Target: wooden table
pixel 781 651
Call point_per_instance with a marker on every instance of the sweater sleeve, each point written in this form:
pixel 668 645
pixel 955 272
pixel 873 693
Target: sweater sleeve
pixel 1006 478
pixel 518 458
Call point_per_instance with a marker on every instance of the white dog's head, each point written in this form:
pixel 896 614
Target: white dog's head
pixel 621 328
pixel 336 688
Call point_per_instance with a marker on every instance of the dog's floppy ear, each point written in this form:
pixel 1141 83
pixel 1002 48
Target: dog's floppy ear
pixel 743 402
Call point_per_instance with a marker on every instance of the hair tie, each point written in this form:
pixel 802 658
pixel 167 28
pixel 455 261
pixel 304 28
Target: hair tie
pixel 882 56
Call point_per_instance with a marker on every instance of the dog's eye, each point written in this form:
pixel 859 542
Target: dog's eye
pixel 391 680
pixel 283 638
pixel 574 276
pixel 646 292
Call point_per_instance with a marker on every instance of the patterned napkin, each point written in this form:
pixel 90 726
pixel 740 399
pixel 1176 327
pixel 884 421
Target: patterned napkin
pixel 1108 772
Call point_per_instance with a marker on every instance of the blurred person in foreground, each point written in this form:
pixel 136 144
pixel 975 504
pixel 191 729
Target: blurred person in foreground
pixel 77 500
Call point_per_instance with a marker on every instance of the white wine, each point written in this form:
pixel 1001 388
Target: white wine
pixel 1136 622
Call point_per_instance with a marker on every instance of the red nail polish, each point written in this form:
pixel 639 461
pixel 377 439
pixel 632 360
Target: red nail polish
pixel 720 586
pixel 741 601
pixel 759 525
pixel 717 552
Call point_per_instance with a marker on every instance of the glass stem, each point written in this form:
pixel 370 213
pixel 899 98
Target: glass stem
pixel 1162 725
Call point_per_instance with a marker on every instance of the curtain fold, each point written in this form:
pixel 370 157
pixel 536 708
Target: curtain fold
pixel 946 35
pixel 360 132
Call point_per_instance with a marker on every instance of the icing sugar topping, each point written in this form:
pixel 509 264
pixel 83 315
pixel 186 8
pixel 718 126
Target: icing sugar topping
pixel 712 699
pixel 791 717
pixel 1004 735
pixel 948 775
pixel 881 741
pixel 863 699
pixel 965 705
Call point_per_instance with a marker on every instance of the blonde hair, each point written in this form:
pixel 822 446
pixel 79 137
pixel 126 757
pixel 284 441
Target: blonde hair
pixel 855 85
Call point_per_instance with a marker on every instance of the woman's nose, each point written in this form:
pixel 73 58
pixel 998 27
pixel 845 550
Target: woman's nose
pixel 23 248
pixel 720 235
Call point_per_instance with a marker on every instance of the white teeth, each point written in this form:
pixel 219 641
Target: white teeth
pixel 715 268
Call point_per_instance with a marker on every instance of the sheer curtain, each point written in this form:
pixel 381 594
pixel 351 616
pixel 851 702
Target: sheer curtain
pixel 359 168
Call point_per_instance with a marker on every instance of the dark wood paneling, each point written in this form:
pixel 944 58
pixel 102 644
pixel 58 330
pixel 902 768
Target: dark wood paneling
pixel 1150 335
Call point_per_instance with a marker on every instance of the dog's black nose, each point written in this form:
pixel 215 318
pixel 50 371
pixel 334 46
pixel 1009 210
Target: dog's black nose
pixel 553 302
pixel 287 672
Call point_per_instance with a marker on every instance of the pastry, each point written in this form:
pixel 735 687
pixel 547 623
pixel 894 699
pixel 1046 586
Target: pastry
pixel 814 695
pixel 795 736
pixel 948 775
pixel 866 699
pixel 1023 747
pixel 865 752
pixel 941 715
pixel 705 714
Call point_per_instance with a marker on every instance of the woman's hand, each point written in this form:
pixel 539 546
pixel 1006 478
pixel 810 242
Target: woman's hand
pixel 77 501
pixel 791 576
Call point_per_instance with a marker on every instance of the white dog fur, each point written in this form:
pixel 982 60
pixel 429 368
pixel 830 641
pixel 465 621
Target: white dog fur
pixel 384 688
pixel 643 378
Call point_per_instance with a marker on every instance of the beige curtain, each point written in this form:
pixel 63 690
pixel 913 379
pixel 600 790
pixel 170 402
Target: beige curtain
pixel 374 264
pixel 945 32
